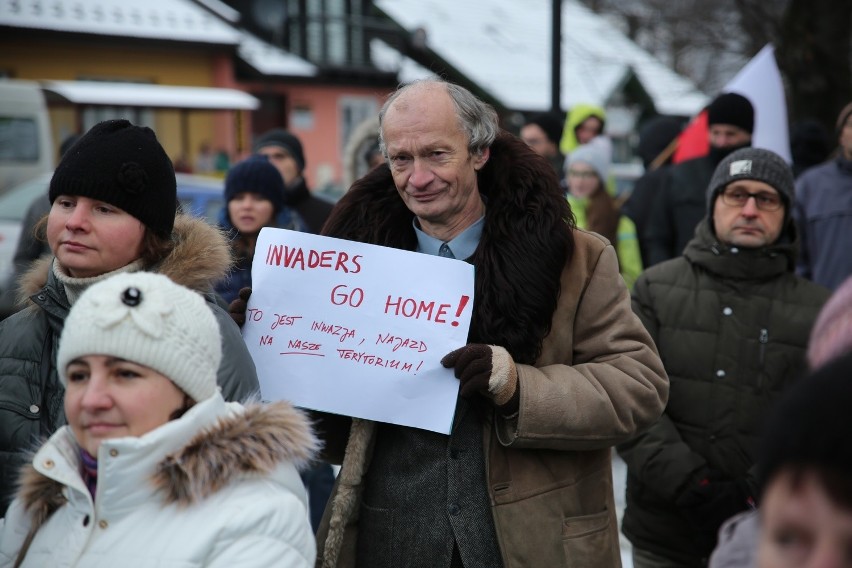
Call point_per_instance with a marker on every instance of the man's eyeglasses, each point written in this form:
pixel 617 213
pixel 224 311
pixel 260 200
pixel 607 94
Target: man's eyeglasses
pixel 764 200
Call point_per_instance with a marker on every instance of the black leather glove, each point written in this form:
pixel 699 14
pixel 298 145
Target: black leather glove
pixel 237 308
pixel 487 370
pixel 712 499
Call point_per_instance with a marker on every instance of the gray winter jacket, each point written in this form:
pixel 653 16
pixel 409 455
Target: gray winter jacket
pixel 823 213
pixel 31 396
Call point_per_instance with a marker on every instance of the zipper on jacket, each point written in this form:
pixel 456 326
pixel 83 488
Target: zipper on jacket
pixel 764 339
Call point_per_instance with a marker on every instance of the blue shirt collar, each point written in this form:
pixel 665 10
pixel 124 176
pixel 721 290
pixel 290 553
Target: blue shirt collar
pixel 462 246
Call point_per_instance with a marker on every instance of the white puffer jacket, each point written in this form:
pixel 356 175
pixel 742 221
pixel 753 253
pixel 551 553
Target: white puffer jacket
pixel 217 487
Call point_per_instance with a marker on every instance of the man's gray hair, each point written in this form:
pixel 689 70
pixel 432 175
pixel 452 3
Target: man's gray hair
pixel 477 119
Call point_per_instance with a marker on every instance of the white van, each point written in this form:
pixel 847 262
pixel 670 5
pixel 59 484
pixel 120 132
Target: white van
pixel 26 145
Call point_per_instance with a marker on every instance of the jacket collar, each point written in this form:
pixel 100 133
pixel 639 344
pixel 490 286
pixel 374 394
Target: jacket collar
pixel 844 164
pixel 740 263
pixel 296 192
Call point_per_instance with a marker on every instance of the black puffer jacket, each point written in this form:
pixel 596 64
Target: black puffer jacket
pixel 679 205
pixel 732 326
pixel 31 396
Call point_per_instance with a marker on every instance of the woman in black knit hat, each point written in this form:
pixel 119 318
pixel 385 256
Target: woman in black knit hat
pixel 113 210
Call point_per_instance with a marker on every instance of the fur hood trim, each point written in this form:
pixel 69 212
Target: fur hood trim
pixel 251 443
pixel 242 444
pixel 201 257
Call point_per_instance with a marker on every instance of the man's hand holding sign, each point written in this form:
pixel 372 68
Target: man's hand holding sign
pixel 360 330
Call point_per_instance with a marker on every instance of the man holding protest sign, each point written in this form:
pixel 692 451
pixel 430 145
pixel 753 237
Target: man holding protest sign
pixel 557 370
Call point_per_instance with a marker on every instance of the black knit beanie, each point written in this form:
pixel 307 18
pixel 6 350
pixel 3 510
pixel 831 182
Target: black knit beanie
pixel 756 164
pixel 731 108
pixel 551 123
pixel 122 165
pixel 283 139
pixel 256 174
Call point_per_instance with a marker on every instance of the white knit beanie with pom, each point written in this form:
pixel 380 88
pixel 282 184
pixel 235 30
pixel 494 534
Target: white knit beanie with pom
pixel 147 319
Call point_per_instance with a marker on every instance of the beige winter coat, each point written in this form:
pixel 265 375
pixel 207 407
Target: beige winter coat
pixel 597 382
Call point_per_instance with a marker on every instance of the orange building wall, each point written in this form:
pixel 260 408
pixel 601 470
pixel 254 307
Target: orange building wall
pixel 322 144
pixel 66 59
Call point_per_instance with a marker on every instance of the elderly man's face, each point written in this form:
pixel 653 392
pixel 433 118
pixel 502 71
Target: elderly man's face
pixel 802 527
pixel 432 169
pixel 751 224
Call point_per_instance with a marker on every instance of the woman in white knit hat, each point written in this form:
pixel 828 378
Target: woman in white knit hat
pixel 154 468
pixel 596 210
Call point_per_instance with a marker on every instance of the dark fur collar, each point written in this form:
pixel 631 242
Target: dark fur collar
pixel 526 241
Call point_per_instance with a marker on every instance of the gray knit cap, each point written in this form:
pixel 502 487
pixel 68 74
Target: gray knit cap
pixel 596 154
pixel 756 164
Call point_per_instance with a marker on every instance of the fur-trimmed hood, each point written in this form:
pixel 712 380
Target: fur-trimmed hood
pixel 241 444
pixel 526 241
pixel 201 257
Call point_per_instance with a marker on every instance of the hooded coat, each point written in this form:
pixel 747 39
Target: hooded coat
pixel 217 487
pixel 575 118
pixel 732 326
pixel 31 396
pixel 588 372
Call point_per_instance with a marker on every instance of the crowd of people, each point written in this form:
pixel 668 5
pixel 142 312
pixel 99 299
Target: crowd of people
pixel 703 331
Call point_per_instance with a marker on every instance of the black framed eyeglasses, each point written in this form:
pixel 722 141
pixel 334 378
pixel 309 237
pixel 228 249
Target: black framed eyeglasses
pixel 765 201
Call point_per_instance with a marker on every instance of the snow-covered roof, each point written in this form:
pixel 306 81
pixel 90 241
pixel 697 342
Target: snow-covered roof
pixel 504 46
pixel 145 95
pixel 180 20
pixel 386 58
pixel 271 60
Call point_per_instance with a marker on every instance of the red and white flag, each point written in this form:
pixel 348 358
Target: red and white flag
pixel 760 82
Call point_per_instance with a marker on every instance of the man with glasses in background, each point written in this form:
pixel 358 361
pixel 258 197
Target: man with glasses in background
pixel 731 321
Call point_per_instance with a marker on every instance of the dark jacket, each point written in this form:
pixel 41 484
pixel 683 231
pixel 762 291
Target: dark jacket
pixel 31 396
pixel 313 210
pixel 639 207
pixel 823 212
pixel 587 371
pixel 732 326
pixel 679 205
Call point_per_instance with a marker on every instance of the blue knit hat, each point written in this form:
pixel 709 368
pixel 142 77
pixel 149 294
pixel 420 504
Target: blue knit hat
pixel 256 174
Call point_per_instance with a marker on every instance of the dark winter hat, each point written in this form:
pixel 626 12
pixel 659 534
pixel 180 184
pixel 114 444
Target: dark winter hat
pixel 283 139
pixel 757 164
pixel 655 135
pixel 731 108
pixel 123 165
pixel 257 175
pixel 551 123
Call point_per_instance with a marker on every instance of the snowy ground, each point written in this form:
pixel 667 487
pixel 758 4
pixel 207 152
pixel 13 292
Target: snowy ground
pixel 619 476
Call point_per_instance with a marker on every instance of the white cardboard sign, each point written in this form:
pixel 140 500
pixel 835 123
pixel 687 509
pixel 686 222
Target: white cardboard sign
pixel 357 329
